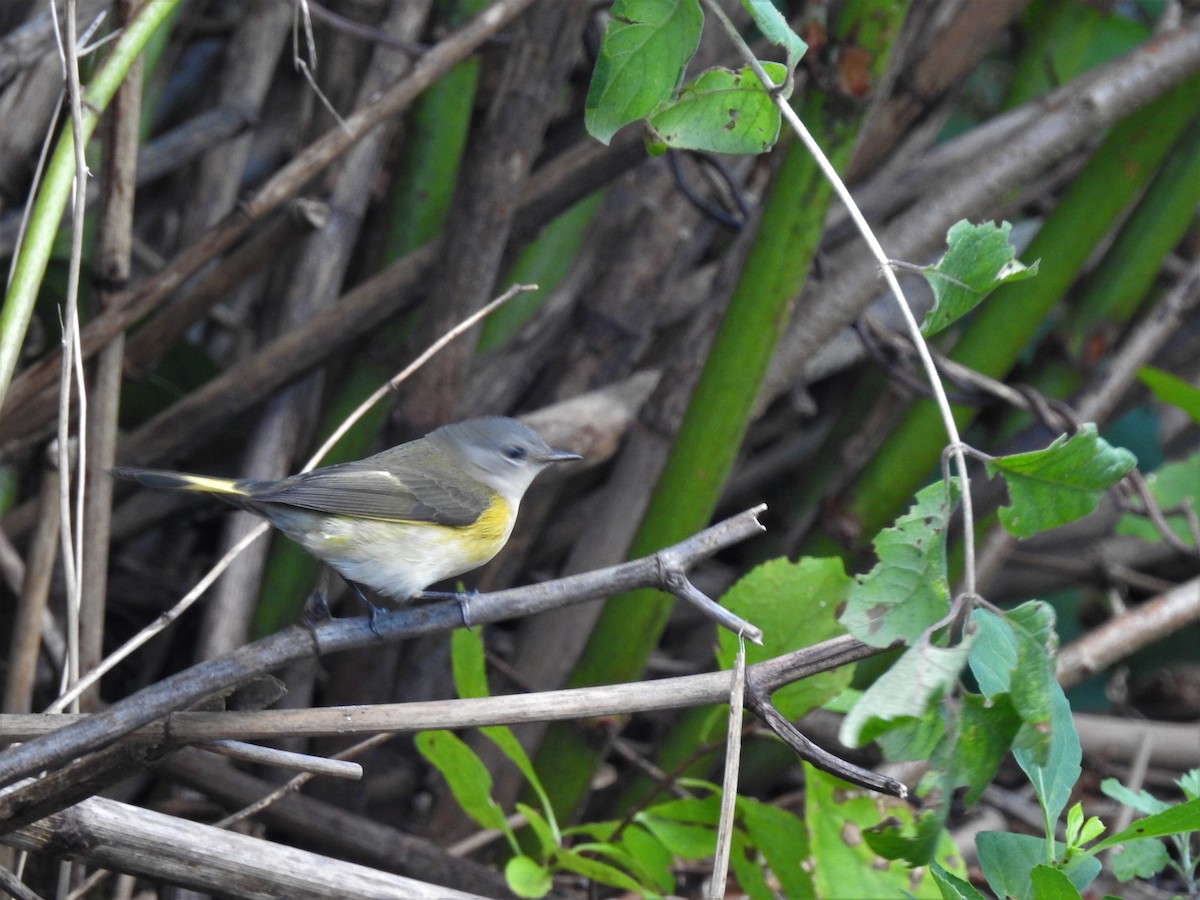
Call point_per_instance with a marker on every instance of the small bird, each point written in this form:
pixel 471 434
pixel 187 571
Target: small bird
pixel 402 519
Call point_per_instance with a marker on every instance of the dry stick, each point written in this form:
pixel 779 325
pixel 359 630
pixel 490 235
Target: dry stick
pixel 733 755
pixel 183 689
pixel 1120 636
pixel 114 251
pixel 339 832
pixel 225 561
pixel 71 363
pixel 285 184
pixel 294 784
pixel 35 591
pixel 162 156
pixel 166 848
pixel 473 712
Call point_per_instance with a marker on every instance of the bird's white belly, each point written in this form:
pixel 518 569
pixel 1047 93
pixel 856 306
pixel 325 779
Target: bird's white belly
pixel 395 559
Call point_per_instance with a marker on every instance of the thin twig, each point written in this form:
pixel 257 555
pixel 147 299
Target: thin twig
pixel 733 756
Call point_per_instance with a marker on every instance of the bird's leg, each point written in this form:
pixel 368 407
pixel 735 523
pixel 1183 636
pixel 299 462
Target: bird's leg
pixel 373 611
pixel 316 610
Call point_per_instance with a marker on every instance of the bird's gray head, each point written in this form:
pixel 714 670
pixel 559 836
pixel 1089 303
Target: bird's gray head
pixel 502 453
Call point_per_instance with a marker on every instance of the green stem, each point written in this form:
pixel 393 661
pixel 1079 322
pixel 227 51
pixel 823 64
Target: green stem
pixel 34 254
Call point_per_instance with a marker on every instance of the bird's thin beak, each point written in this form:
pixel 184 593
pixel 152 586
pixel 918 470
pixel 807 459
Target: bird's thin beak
pixel 560 456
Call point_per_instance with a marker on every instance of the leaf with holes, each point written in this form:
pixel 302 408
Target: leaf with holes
pixel 979 258
pixel 1060 484
pixel 908 590
pixel 720 111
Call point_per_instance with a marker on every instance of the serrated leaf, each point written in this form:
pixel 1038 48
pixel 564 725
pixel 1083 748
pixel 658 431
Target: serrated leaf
pixel 642 58
pixel 1140 859
pixel 720 111
pixel 1060 484
pixel 914 683
pixel 774 26
pixel 978 260
pixel 908 590
pixel 1172 390
pixel 794 603
pixel 1171 486
pixel 527 878
pixel 466 776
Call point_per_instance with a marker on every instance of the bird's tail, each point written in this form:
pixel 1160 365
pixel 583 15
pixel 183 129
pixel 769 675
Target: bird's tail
pixel 181 481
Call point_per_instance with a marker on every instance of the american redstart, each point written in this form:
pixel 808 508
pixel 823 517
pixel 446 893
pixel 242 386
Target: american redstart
pixel 402 519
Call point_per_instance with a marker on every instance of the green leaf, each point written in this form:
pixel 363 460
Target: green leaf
pixel 915 843
pixel 1139 859
pixel 1054 776
pixel 794 603
pixel 908 590
pixel 1014 655
pixel 1034 685
pixel 1189 783
pixel 527 878
pixel 574 861
pixel 909 689
pixel 466 776
pixel 837 814
pixel 1172 390
pixel 548 840
pixel 1051 884
pixel 1175 820
pixel 953 887
pixel 719 111
pixel 1008 861
pixel 685 827
pixel 619 856
pixel 987 733
pixel 1171 486
pixel 783 841
pixel 748 870
pixel 467 662
pixel 978 260
pixel 470 680
pixel 653 859
pixel 774 26
pixel 642 58
pixel 1062 483
pixel 1140 801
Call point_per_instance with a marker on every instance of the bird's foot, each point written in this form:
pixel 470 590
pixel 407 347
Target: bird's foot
pixel 462 598
pixel 373 611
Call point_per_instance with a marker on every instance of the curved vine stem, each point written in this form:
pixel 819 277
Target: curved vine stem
pixel 956 446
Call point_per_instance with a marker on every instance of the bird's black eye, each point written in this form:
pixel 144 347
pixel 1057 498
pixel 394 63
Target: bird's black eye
pixel 514 452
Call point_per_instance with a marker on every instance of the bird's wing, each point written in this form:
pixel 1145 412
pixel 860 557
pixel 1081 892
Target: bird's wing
pixel 372 492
